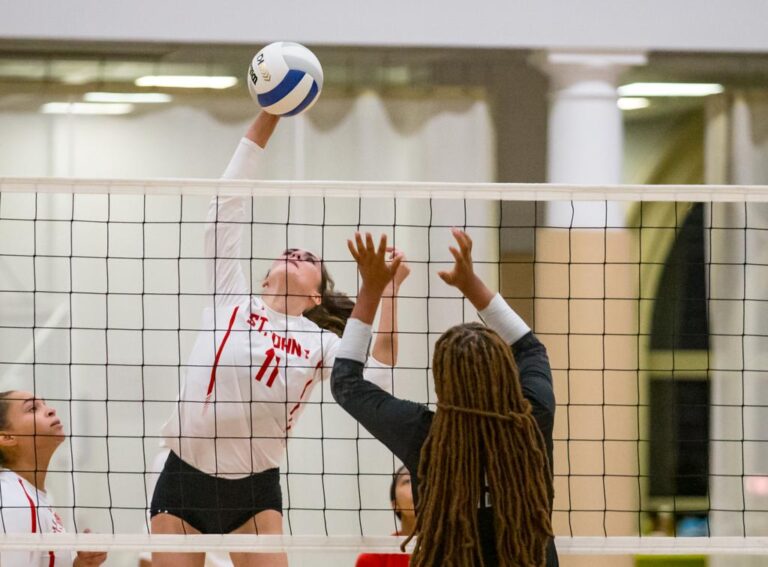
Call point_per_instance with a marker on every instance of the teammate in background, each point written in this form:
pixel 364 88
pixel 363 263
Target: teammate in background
pixel 30 432
pixel 401 498
pixel 245 384
pixel 484 486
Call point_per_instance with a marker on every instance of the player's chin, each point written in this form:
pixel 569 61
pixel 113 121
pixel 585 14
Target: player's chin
pixel 51 438
pixel 57 431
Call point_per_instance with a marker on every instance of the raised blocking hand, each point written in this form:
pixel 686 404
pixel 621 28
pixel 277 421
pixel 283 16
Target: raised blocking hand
pixel 372 263
pixel 462 276
pixel 403 271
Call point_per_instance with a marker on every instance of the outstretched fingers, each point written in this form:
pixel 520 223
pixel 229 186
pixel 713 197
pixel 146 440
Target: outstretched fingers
pixel 370 248
pixel 395 252
pixel 395 264
pixel 463 240
pixel 461 271
pixel 363 248
pixel 361 242
pixel 353 250
pixel 382 246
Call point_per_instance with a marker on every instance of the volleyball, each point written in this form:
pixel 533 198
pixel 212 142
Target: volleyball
pixel 285 78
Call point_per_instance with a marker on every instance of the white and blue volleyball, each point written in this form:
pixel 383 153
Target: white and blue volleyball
pixel 285 78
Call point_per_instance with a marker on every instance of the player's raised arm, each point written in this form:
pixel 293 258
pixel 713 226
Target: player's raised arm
pixel 262 128
pixel 227 214
pixel 385 345
pixel 375 272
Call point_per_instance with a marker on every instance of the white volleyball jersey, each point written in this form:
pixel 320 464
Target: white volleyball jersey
pixel 25 510
pixel 251 368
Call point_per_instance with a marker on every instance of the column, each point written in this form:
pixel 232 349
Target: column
pixel 585 301
pixel 585 142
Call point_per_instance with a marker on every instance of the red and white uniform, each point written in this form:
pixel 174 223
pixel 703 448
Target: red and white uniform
pixel 25 510
pixel 251 367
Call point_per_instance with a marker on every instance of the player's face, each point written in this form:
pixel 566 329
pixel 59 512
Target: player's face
pixel 403 495
pixel 299 269
pixel 31 422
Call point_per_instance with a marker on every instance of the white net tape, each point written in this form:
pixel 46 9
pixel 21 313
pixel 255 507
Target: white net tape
pixel 365 544
pixel 386 189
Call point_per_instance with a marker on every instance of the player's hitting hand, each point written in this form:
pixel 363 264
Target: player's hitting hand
pixel 372 262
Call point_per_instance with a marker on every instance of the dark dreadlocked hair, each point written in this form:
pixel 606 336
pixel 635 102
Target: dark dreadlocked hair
pixel 483 430
pixel 335 307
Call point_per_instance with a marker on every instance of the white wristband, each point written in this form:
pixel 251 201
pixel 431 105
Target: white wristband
pixel 500 317
pixel 355 341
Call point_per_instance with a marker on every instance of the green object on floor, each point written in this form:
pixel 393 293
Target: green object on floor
pixel 671 561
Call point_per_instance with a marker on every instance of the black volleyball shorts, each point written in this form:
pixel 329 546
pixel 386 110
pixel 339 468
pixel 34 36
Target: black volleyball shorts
pixel 211 504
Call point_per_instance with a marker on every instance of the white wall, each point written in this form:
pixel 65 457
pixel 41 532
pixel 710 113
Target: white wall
pixel 686 25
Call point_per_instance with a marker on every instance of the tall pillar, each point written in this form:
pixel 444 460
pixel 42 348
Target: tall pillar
pixel 585 139
pixel 585 303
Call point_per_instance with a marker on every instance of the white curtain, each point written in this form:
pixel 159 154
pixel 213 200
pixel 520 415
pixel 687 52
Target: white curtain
pixel 440 134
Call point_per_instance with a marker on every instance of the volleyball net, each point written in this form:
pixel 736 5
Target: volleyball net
pixel 651 300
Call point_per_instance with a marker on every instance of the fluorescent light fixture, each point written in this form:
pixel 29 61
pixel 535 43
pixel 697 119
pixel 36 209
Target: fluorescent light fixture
pixel 633 103
pixel 186 81
pixel 137 98
pixel 670 89
pixel 85 108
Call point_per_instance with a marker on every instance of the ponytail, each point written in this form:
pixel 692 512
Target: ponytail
pixel 334 309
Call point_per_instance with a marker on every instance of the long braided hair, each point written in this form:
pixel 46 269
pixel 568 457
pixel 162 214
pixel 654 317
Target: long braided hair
pixel 483 431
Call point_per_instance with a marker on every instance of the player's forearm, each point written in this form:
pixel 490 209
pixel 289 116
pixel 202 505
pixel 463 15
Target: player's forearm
pixel 262 128
pixel 477 293
pixel 226 214
pixel 366 305
pixel 386 344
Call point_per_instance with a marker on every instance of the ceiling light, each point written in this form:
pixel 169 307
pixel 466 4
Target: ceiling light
pixel 139 98
pixel 85 108
pixel 186 81
pixel 670 89
pixel 633 103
